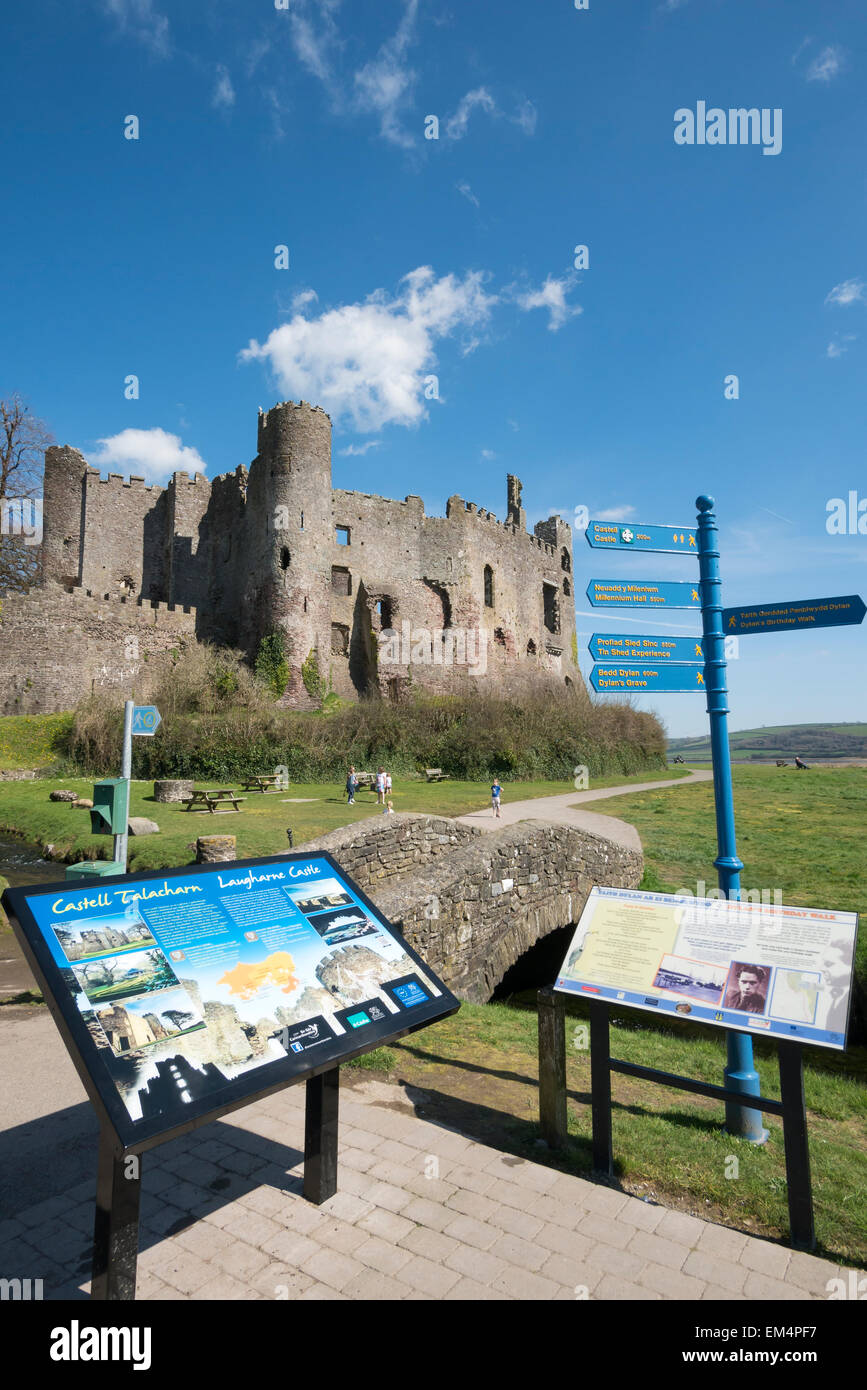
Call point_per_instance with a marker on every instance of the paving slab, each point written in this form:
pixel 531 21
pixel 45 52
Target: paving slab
pixel 491 1225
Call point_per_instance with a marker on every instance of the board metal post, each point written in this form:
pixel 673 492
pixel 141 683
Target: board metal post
pixel 796 1145
pixel 740 1073
pixel 600 1090
pixel 116 1224
pixel 552 1067
pixel 320 1136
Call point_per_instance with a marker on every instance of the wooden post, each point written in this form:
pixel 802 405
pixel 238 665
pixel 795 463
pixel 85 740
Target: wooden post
pixel 552 1068
pixel 802 1232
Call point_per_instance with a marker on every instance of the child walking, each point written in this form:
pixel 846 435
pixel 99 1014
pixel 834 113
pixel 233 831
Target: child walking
pixel 496 793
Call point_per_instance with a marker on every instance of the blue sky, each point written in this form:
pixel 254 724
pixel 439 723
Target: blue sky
pixel 408 257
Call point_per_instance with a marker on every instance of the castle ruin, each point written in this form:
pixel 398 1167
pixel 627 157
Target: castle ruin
pixel 369 593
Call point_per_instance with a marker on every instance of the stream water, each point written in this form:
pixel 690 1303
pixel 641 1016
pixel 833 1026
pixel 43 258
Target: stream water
pixel 22 863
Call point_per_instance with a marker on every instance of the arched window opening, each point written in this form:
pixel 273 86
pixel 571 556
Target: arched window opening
pixel 489 587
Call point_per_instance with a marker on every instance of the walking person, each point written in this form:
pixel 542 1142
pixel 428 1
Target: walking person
pixel 351 786
pixel 380 786
pixel 387 785
pixel 496 793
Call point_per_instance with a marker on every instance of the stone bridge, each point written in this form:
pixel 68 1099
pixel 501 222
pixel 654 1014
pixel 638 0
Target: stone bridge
pixel 471 904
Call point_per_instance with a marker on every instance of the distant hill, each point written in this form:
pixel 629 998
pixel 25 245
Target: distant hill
pixel 820 741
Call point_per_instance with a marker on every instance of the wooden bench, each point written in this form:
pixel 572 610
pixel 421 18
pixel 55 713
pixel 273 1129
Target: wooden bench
pixel 266 783
pixel 223 801
pixel 436 774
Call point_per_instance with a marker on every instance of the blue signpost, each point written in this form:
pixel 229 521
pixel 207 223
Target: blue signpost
pixel 672 539
pixel 619 646
pixel 633 679
pixel 740 1075
pixel 642 593
pixel 145 720
pixel 784 617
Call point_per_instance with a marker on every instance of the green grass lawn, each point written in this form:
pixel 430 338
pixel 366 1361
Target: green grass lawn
pixel 479 1070
pixel 27 740
pixel 310 809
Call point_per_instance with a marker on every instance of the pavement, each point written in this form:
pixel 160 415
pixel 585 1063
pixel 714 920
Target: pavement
pixel 422 1211
pixel 567 810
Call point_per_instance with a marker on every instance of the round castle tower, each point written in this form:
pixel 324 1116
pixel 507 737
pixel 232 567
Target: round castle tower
pixel 289 536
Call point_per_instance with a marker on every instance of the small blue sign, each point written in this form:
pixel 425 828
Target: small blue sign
pixel 633 536
pixel 619 646
pixel 643 593
pixel 634 680
pixel 784 617
pixel 145 720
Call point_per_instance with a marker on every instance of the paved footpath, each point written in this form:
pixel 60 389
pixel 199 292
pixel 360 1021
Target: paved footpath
pixel 567 810
pixel 422 1212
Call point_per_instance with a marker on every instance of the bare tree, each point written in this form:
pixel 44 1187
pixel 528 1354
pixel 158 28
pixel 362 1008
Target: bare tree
pixel 23 441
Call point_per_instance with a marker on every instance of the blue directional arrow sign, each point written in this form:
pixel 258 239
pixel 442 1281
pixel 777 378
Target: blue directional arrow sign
pixel 145 720
pixel 784 617
pixel 634 680
pixel 619 646
pixel 643 593
pixel 633 536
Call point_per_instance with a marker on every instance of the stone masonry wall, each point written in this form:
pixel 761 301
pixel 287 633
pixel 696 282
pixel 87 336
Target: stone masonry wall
pixel 74 644
pixel 472 907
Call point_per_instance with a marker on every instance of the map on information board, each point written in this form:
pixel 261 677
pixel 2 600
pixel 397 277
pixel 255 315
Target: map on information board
pixel 190 990
pixel 753 966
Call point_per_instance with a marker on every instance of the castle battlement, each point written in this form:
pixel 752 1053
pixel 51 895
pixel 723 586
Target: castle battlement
pixel 277 549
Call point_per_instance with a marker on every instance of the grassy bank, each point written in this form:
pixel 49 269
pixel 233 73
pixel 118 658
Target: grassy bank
pixel 311 809
pixel 219 722
pixel 479 1071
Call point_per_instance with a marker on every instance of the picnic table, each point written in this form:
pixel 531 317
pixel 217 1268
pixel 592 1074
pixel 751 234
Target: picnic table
pixel 222 800
pixel 270 782
pixel 366 781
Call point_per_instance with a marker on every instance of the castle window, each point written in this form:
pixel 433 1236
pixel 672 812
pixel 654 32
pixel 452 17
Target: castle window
pixel 567 588
pixel 302 521
pixel 531 648
pixel 551 605
pixel 565 562
pixel 499 637
pixel 339 639
pixel 489 587
pixel 343 535
pixel 341 581
pixel 285 558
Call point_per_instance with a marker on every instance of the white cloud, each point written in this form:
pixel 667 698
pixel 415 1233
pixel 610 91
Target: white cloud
pixel 383 85
pixel 224 92
pixel 551 296
pixel 805 43
pixel 456 125
pixel 255 53
pixel 668 6
pixel 154 454
pixel 480 98
pixel 352 449
pixel 624 513
pixel 488 454
pixel 317 49
pixel 827 65
pixel 464 188
pixel 366 362
pixel 139 20
pixel 849 292
pixel 303 298
pixel 836 348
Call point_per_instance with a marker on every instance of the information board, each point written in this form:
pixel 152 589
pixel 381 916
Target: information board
pixel 186 993
pixel 753 967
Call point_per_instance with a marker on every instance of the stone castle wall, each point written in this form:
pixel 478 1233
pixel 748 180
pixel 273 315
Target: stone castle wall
pixel 277 548
pixel 57 647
